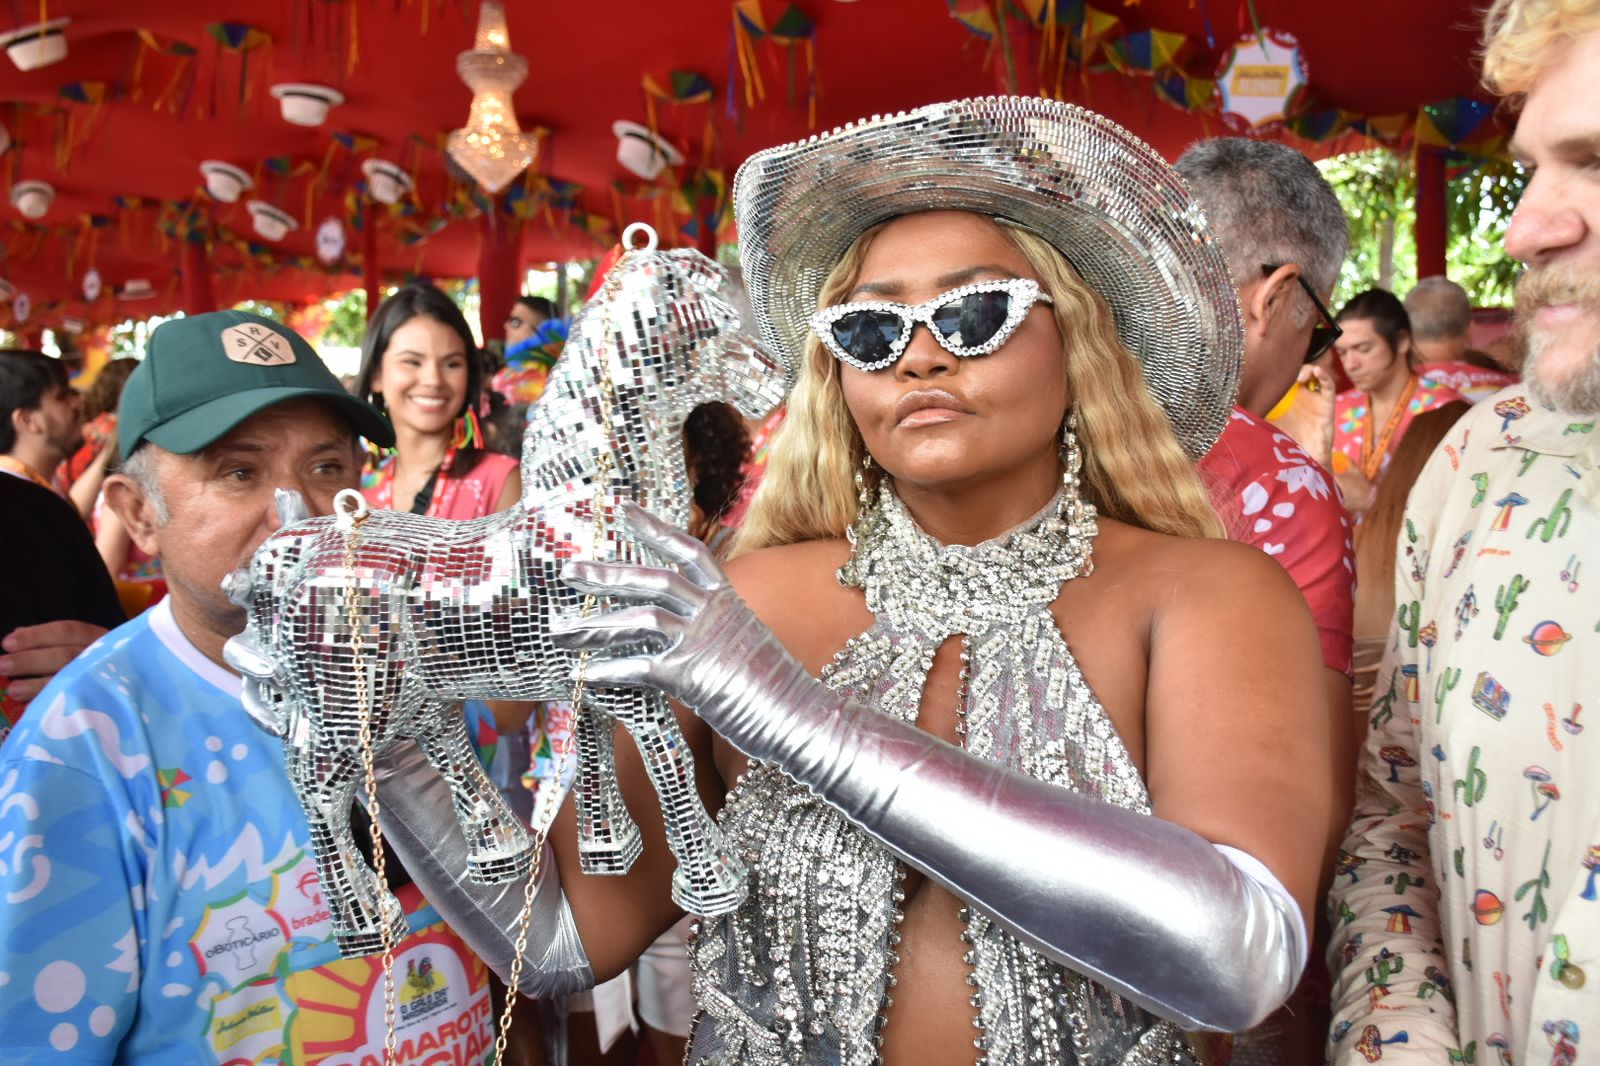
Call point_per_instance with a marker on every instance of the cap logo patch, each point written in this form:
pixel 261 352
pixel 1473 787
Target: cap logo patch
pixel 256 345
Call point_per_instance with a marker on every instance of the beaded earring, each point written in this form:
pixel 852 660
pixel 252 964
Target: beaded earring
pixel 867 498
pixel 1076 514
pixel 1071 453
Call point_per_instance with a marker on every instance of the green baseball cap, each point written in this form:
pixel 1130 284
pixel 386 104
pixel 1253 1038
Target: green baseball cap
pixel 204 374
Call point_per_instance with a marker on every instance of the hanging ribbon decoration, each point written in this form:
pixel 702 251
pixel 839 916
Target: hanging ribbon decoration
pixel 794 30
pixel 87 245
pixel 72 132
pixel 128 208
pixel 749 25
pixel 241 40
pixel 179 83
pixel 353 143
pixel 680 87
pixel 1460 123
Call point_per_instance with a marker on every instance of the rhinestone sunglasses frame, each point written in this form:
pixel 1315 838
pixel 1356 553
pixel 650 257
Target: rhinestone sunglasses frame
pixel 1024 293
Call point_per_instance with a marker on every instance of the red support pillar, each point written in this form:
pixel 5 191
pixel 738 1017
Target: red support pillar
pixel 1432 228
pixel 198 294
pixel 499 271
pixel 371 276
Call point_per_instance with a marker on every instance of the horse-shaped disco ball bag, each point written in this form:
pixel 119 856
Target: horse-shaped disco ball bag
pixel 405 616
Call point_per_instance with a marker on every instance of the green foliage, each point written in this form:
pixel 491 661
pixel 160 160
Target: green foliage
pixel 347 319
pixel 257 307
pixel 1378 191
pixel 128 338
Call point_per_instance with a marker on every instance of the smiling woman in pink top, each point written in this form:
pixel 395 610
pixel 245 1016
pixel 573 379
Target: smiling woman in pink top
pixel 421 367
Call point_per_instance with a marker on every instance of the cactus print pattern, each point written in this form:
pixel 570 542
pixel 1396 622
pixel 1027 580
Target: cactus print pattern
pixel 1465 911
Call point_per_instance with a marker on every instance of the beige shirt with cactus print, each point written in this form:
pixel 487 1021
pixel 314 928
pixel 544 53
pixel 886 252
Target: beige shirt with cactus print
pixel 1466 903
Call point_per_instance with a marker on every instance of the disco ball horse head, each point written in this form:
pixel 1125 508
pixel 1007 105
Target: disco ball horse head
pixel 400 617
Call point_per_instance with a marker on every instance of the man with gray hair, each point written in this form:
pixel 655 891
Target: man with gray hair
pixel 1283 234
pixel 1441 315
pixel 1467 902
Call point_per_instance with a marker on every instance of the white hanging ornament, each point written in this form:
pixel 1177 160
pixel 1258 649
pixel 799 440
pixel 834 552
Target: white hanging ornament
pixel 92 285
pixel 330 241
pixel 1260 78
pixel 20 306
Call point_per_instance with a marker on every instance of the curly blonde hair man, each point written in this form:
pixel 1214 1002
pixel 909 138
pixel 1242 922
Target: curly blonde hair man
pixel 1521 36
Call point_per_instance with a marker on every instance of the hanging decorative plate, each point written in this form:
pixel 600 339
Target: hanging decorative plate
pixel 1260 79
pixel 330 241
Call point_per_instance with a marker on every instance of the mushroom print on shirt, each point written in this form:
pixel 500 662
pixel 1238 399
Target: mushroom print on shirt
pixel 1466 900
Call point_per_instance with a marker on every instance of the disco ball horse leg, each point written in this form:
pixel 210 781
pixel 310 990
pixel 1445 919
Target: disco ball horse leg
pixel 456 610
pixel 328 645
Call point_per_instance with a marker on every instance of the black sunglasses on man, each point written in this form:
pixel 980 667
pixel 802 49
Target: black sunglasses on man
pixel 1323 334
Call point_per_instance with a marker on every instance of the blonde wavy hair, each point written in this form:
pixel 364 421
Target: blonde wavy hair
pixel 1521 36
pixel 1134 469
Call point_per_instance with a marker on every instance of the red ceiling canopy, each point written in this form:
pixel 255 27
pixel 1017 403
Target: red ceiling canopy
pixel 150 90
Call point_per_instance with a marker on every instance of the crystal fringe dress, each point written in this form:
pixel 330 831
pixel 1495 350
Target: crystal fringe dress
pixel 798 974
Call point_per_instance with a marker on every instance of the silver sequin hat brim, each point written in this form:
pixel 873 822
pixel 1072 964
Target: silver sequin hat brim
pixel 1106 200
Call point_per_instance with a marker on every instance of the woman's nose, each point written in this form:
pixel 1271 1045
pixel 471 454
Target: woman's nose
pixel 924 356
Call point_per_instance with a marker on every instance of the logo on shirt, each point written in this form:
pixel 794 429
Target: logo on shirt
pixel 242 940
pixel 238 939
pixel 425 990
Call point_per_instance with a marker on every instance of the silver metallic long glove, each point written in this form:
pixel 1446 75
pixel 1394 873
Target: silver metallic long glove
pixel 421 827
pixel 1148 908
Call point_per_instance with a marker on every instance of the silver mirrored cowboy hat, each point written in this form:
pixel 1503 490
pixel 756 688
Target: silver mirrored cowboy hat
pixel 1109 202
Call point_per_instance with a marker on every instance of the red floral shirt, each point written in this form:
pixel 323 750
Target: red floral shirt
pixel 1273 495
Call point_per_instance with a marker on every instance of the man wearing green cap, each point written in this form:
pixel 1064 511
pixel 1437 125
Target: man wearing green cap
pixel 162 904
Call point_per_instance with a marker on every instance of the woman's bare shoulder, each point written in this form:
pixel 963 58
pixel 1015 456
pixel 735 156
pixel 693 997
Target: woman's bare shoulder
pixel 788 570
pixel 794 589
pixel 1199 562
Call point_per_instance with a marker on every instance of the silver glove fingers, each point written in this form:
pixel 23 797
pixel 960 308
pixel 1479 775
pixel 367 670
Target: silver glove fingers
pixel 673 545
pixel 655 627
pixel 643 584
pixel 420 825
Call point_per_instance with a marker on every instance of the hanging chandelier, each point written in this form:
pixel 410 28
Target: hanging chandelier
pixel 491 147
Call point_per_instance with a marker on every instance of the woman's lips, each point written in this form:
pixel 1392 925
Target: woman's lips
pixel 928 416
pixel 926 407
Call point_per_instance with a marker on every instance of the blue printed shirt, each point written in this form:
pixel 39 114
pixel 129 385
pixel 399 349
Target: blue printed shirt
pixel 159 902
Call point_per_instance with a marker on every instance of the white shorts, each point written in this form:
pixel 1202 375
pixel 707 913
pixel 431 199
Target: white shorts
pixel 665 1000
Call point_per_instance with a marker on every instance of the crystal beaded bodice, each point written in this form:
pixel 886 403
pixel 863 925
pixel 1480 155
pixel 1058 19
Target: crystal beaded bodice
pixel 799 973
